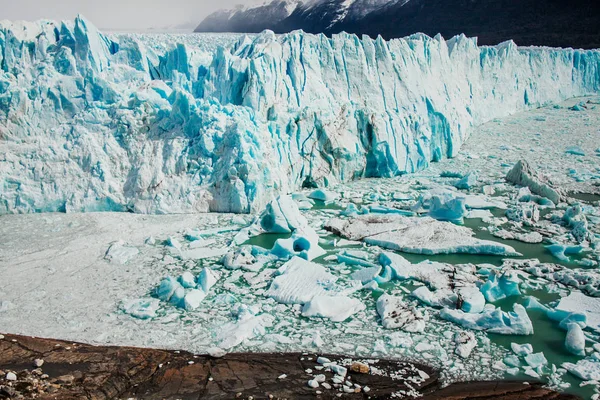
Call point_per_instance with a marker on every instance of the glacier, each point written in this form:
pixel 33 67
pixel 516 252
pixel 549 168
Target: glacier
pixel 95 122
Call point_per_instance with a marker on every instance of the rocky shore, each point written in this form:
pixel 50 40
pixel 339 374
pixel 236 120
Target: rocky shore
pixel 53 369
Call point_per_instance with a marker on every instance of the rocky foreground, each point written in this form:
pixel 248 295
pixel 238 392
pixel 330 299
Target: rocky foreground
pixel 54 369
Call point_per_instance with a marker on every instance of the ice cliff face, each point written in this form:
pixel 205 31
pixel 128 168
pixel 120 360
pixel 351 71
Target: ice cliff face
pixel 96 123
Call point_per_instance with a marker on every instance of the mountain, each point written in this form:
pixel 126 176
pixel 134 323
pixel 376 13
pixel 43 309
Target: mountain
pixel 556 23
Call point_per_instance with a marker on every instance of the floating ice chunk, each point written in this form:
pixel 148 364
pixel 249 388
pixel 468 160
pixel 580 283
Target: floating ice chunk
pixel 282 215
pixel 141 308
pixel 207 279
pixel 300 282
pixel 465 343
pixel 193 298
pixel 177 299
pixel 415 235
pixel 575 150
pixel 587 370
pixel 578 302
pixel 336 308
pixel 521 349
pixel 304 243
pixel 303 202
pixel 560 251
pixel 436 275
pixel 447 206
pixel 484 215
pixel 467 182
pixel 396 313
pixel 575 340
pixel 187 280
pixel 498 288
pixel 166 288
pixel 172 242
pixel 119 253
pixel 523 175
pixel 366 275
pixel 512 361
pixel 202 253
pixel 471 300
pixel 360 258
pixel 493 320
pixel 468 299
pixel 379 209
pixel 324 195
pixel 536 360
pixel 346 243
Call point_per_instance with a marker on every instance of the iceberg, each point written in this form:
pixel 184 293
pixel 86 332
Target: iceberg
pixel 579 303
pixel 575 340
pixel 335 308
pixel 397 313
pixel 501 287
pixel 300 281
pixel 493 320
pixel 119 253
pixel 587 370
pixel 524 175
pixel 141 308
pixel 419 235
pixel 99 122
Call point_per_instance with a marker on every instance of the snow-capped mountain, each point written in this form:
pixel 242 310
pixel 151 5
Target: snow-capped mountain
pixel 528 22
pixel 249 19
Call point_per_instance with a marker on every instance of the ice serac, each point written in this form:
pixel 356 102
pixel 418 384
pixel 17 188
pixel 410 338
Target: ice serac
pixel 96 122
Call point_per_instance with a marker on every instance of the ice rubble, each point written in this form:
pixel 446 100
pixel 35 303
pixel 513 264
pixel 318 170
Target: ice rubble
pixel 415 235
pixel 96 123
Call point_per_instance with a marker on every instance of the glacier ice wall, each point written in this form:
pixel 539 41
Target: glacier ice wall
pixel 90 122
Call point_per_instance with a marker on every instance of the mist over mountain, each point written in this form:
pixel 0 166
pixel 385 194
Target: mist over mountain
pixel 555 23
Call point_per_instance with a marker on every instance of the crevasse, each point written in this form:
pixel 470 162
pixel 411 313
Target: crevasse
pixel 90 122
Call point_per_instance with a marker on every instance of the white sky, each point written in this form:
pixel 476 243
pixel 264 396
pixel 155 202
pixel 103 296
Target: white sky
pixel 118 14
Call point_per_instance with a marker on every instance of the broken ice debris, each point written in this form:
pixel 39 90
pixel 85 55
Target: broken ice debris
pixel 415 235
pixel 465 343
pixel 182 292
pixel 493 320
pixel 336 308
pixel 247 324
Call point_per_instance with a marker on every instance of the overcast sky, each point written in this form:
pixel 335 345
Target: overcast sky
pixel 118 14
